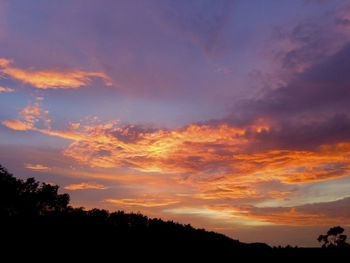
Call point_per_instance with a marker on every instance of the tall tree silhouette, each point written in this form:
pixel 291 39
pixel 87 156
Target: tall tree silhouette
pixel 333 238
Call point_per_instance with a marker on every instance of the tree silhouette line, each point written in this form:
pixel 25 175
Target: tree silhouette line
pixel 35 214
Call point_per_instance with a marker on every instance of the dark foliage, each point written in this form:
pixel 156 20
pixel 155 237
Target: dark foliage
pixel 27 198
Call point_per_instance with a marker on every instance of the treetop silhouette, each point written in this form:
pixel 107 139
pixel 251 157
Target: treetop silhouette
pixel 28 197
pixel 333 238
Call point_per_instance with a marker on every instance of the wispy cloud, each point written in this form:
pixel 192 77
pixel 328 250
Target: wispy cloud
pixel 2 89
pixel 142 202
pixel 17 125
pixel 326 213
pixel 51 79
pixel 29 116
pixel 37 167
pixel 85 186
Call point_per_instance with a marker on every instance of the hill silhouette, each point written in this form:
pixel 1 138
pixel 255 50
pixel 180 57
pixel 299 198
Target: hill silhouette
pixel 36 217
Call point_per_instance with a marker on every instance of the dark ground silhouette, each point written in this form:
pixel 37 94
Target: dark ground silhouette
pixel 36 219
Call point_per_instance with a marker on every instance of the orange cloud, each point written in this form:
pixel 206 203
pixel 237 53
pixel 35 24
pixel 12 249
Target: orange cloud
pixel 84 186
pixel 5 62
pixel 17 125
pixel 199 167
pixel 30 115
pixel 50 79
pixel 215 161
pixel 32 112
pixel 196 150
pixel 293 167
pixel 212 158
pixel 37 167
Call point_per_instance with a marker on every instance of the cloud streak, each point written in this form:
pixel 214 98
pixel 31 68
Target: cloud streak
pixel 142 202
pixel 50 79
pixel 325 213
pixel 6 90
pixel 37 167
pixel 85 186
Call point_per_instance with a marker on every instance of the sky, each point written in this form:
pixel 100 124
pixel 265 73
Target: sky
pixel 232 116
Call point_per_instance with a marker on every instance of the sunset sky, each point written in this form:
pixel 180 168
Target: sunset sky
pixel 233 116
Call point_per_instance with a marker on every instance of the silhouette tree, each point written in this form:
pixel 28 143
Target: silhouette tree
pixel 28 197
pixel 333 238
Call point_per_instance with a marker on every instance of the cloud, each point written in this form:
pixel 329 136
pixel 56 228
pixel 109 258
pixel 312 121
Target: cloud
pixel 201 149
pixel 84 186
pixel 321 87
pixel 51 79
pixel 17 125
pixel 5 62
pixel 310 40
pixel 2 89
pixel 142 202
pixel 296 50
pixel 220 160
pixel 310 109
pixel 37 167
pixel 29 116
